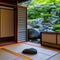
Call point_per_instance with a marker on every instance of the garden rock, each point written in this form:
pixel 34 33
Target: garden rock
pixel 33 34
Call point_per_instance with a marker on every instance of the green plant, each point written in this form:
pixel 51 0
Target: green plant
pixel 33 14
pixel 56 27
pixel 45 16
pixel 57 30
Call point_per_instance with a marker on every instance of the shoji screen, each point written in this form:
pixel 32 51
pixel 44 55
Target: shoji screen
pixel 22 23
pixel 7 22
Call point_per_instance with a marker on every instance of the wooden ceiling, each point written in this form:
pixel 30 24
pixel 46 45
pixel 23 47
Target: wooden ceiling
pixel 12 1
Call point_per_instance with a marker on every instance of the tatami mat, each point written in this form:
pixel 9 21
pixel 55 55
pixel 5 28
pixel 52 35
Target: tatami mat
pixel 8 56
pixel 55 57
pixel 42 54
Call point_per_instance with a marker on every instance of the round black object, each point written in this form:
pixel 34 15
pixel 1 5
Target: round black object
pixel 29 51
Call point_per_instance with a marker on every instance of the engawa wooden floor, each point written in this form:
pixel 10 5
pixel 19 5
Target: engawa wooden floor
pixel 32 44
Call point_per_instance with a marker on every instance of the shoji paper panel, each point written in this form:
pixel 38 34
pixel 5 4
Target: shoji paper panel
pixel 22 23
pixel 58 39
pixel 48 37
pixel 7 22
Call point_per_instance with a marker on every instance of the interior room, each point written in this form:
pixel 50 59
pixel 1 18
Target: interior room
pixel 15 42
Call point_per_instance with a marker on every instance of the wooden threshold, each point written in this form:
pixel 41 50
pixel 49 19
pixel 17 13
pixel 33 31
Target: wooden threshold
pixel 6 43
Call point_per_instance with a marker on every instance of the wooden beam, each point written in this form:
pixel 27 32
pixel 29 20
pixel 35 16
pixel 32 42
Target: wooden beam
pixel 6 4
pixel 21 0
pixel 9 1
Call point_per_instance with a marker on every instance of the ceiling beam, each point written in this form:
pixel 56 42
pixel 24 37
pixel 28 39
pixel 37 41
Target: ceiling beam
pixel 22 0
pixel 12 1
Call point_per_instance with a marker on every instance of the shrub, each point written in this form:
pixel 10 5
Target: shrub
pixel 56 27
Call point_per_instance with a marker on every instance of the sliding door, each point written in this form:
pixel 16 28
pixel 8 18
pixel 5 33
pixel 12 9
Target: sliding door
pixel 7 22
pixel 22 24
